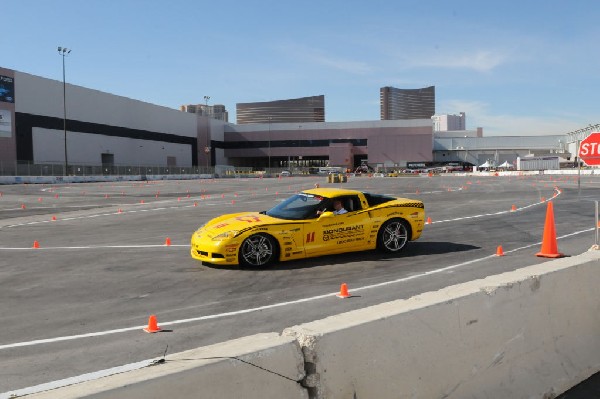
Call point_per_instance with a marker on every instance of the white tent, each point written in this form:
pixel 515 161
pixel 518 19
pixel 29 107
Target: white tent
pixel 486 165
pixel 506 165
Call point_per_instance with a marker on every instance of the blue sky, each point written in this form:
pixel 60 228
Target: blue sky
pixel 515 67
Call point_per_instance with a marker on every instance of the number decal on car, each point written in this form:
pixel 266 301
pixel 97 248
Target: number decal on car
pixel 249 219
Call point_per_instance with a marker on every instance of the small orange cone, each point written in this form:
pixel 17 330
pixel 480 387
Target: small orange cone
pixel 36 244
pixel 168 242
pixel 22 206
pixel 513 208
pixel 152 325
pixel 54 218
pixel 428 221
pixel 119 210
pixel 543 199
pixel 549 244
pixel 343 291
pixel 141 201
pixel 499 251
pixel 195 204
pixel 598 224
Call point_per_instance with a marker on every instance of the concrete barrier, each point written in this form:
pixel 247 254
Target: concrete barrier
pixel 530 333
pixel 258 366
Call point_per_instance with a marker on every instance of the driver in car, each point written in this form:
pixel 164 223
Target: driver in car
pixel 338 208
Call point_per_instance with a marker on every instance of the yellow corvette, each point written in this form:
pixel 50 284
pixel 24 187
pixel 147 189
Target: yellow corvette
pixel 305 225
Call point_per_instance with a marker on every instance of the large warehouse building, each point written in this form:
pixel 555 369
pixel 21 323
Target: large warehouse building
pixel 102 129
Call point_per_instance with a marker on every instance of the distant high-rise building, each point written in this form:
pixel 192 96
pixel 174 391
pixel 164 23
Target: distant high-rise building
pixel 216 111
pixel 407 103
pixel 297 110
pixel 447 122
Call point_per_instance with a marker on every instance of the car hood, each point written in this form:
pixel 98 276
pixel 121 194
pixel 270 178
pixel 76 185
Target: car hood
pixel 237 222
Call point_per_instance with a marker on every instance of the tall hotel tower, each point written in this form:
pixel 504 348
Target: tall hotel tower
pixel 407 103
pixel 305 109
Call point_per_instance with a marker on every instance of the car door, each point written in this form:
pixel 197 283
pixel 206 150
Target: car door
pixel 332 233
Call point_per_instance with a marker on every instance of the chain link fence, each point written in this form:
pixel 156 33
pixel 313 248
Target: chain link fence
pixel 21 168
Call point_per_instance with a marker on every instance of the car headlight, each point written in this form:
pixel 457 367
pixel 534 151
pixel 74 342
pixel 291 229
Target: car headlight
pixel 226 235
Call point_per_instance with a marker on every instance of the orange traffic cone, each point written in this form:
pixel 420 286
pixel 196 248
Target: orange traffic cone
pixel 54 218
pixel 152 325
pixel 168 242
pixel 36 244
pixel 499 251
pixel 513 208
pixel 428 221
pixel 343 291
pixel 549 244
pixel 22 206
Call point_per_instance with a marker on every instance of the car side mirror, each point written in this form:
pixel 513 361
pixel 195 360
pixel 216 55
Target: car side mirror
pixel 326 214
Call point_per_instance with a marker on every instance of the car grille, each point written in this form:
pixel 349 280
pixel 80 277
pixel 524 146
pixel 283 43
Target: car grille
pixel 209 255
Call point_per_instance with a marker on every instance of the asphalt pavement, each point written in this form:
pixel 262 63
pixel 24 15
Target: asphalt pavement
pixel 78 303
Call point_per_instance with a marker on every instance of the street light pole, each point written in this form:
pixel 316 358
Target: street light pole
pixel 268 171
pixel 63 51
pixel 207 149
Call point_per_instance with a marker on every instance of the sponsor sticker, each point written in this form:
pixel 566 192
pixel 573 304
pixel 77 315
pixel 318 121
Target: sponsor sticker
pixel 343 232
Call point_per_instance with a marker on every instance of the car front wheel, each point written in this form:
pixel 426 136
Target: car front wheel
pixel 258 250
pixel 393 235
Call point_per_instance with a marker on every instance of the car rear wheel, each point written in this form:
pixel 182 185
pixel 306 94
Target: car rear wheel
pixel 393 235
pixel 258 250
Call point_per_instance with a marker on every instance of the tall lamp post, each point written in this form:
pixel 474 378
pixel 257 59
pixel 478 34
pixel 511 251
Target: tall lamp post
pixel 207 148
pixel 63 51
pixel 269 168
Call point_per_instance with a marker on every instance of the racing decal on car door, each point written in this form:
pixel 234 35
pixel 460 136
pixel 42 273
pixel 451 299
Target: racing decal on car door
pixel 310 237
pixel 343 232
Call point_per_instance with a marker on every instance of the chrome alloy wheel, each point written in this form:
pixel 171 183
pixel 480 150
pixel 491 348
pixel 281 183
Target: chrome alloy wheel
pixel 393 235
pixel 257 250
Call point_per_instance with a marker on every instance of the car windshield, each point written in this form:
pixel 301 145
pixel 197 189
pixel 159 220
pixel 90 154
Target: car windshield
pixel 299 206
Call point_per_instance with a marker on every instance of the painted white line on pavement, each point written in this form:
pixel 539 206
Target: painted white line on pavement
pixel 120 213
pixel 41 248
pixel 75 380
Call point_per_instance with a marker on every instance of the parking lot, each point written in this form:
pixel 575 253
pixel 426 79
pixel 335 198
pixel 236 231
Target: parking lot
pixel 77 303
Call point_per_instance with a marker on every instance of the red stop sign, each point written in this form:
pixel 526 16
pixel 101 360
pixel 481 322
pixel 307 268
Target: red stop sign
pixel 589 149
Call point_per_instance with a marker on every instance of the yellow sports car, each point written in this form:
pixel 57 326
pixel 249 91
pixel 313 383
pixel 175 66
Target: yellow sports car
pixel 315 222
